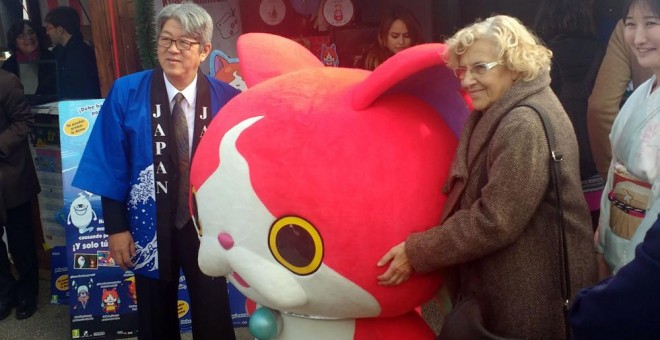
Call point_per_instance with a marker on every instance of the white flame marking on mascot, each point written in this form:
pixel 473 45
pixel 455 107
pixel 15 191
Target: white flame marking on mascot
pixel 309 176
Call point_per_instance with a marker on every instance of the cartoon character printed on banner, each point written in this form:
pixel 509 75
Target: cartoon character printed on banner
pixel 227 69
pixel 329 55
pixel 131 289
pixel 105 260
pixel 81 262
pixel 312 174
pixel 81 213
pixel 338 13
pixel 228 25
pixel 83 297
pixel 110 300
pixel 82 294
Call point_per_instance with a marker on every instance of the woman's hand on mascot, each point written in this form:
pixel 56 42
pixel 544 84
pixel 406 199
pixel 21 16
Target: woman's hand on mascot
pixel 122 248
pixel 399 270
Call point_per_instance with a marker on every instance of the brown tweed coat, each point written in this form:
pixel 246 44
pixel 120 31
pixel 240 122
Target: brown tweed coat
pixel 498 237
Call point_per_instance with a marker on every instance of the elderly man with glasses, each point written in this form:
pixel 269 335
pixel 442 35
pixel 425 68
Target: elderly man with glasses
pixel 141 146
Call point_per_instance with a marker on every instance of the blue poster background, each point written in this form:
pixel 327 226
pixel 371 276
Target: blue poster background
pixel 59 280
pixel 101 296
pixel 102 301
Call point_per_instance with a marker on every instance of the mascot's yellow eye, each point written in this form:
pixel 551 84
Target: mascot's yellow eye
pixel 296 244
pixel 195 213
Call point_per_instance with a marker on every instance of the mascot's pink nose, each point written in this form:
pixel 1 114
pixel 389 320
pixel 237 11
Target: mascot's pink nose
pixel 226 241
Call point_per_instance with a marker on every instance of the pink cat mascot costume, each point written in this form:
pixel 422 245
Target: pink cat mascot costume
pixel 307 178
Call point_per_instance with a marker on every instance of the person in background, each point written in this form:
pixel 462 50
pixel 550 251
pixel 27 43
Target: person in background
pixel 568 30
pixel 497 242
pixel 76 62
pixel 399 29
pixel 18 187
pixel 144 137
pixel 27 44
pixel 619 74
pixel 626 305
pixel 631 199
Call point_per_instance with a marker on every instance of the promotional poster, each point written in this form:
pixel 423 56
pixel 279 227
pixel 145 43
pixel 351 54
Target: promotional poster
pixel 102 300
pixel 102 297
pixel 59 279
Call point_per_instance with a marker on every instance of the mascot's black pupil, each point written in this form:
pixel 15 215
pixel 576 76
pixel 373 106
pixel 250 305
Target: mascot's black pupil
pixel 295 245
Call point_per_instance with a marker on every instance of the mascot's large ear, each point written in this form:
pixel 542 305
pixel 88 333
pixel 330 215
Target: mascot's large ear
pixel 264 56
pixel 419 71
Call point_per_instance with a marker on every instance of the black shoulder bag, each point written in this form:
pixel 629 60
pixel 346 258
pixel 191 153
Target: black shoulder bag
pixel 465 321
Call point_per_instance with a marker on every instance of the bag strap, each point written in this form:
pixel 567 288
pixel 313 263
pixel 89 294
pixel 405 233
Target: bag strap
pixel 555 159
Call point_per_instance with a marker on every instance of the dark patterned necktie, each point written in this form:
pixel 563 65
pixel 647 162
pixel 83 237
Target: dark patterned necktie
pixel 181 135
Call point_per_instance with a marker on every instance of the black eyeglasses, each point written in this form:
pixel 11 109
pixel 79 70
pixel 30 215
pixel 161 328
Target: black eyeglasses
pixel 475 70
pixel 183 45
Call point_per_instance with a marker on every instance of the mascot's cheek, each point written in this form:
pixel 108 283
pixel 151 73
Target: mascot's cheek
pixel 212 258
pixel 267 279
pixel 243 267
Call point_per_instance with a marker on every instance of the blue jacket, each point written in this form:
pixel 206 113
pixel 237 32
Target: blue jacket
pixel 118 161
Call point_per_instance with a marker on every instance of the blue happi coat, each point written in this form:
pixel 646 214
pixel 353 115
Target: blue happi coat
pixel 118 162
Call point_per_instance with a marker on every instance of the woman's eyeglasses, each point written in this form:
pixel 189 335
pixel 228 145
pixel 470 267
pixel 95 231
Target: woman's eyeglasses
pixel 475 70
pixel 183 45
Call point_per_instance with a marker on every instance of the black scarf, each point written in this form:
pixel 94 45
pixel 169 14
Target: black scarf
pixel 166 173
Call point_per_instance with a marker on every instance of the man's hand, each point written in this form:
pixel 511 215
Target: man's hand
pixel 399 269
pixel 122 248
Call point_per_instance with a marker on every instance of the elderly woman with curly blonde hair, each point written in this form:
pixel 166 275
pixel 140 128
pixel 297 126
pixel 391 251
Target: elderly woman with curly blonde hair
pixel 498 243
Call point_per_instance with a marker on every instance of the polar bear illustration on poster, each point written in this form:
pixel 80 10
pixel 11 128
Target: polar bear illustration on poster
pixel 81 214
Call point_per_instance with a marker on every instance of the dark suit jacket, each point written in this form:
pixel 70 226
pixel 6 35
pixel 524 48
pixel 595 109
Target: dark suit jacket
pixel 18 178
pixel 78 75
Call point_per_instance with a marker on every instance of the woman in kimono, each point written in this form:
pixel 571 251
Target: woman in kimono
pixel 630 202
